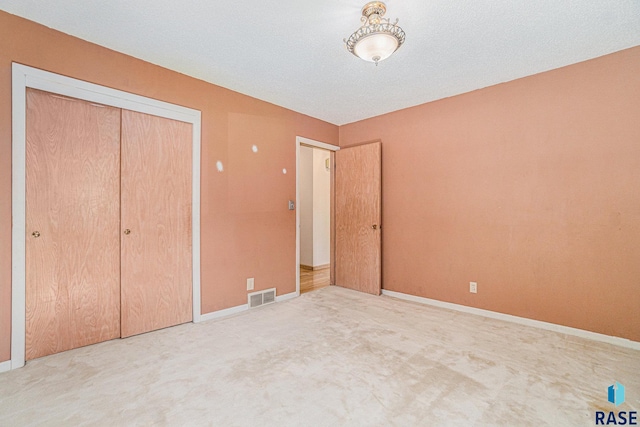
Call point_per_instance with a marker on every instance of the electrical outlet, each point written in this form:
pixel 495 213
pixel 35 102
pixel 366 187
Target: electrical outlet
pixel 250 284
pixel 473 287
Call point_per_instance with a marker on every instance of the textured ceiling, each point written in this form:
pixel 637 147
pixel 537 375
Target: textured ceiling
pixel 290 52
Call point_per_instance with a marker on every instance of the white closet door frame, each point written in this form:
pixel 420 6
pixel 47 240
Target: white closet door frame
pixel 24 77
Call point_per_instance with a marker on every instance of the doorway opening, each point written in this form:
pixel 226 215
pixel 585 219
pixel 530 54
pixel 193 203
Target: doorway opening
pixel 315 245
pixel 315 218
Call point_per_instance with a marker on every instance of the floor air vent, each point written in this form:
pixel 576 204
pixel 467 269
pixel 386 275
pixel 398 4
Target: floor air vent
pixel 256 299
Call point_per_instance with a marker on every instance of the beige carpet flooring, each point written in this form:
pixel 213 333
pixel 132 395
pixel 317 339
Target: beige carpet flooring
pixel 332 357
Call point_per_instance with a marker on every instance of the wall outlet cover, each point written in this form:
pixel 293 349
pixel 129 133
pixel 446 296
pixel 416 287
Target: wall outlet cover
pixel 473 287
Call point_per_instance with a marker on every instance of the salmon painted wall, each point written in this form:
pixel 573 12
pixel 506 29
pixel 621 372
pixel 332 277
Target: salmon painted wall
pixel 247 229
pixel 531 188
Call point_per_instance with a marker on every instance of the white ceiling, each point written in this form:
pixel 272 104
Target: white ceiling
pixel 291 53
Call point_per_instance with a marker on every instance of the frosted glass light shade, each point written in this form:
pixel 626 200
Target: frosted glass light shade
pixel 377 38
pixel 376 47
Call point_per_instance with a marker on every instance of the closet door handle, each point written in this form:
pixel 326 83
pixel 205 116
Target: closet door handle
pixel 127 231
pixel 36 234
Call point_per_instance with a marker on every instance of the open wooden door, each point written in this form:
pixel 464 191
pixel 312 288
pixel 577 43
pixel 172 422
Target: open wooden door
pixel 358 190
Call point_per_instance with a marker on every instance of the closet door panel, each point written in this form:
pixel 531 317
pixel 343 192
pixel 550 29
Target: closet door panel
pixel 72 217
pixel 156 223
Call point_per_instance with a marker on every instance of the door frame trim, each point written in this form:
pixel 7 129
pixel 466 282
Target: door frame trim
pixel 24 77
pixel 314 144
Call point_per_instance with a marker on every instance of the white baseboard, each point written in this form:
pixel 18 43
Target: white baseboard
pixel 240 308
pixel 288 296
pixel 622 342
pixel 223 313
pixel 5 366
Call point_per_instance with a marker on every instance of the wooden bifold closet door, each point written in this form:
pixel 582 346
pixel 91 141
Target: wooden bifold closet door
pixel 73 224
pixel 92 173
pixel 156 215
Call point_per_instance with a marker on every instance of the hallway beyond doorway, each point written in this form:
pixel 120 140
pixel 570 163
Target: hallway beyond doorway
pixel 312 280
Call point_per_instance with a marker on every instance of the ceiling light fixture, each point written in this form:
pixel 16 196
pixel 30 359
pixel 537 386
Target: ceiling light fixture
pixel 377 38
